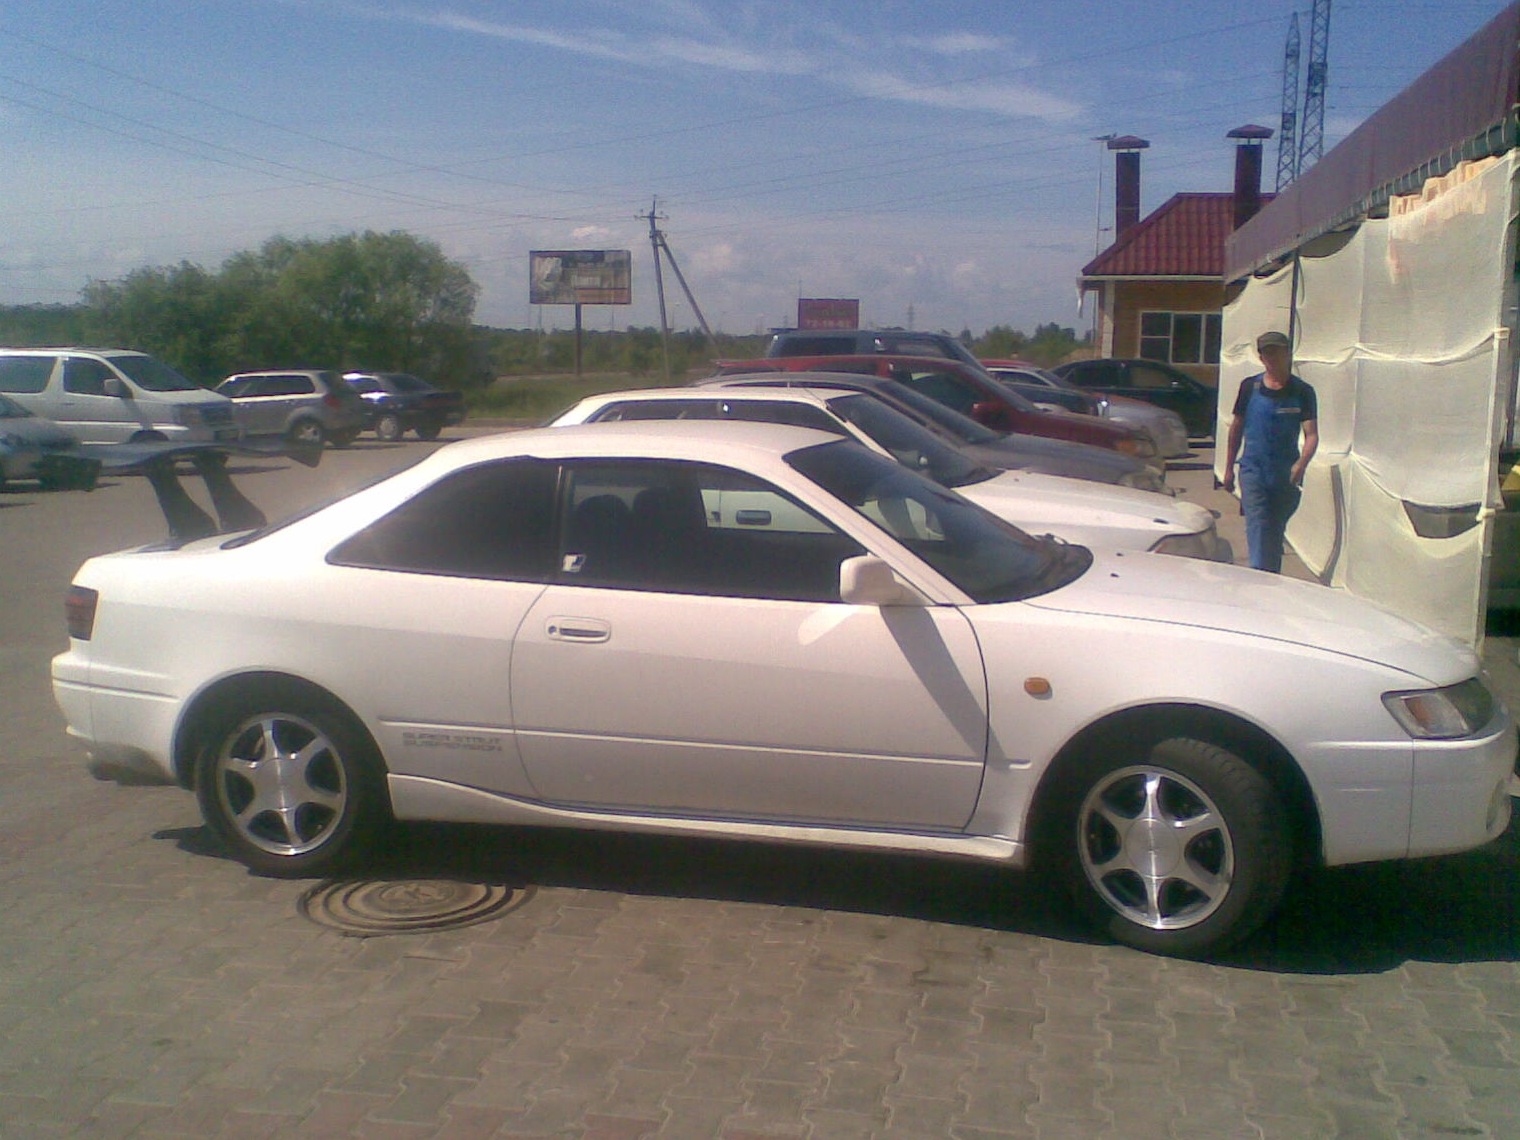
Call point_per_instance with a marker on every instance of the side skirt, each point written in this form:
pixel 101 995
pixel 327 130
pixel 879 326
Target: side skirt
pixel 420 798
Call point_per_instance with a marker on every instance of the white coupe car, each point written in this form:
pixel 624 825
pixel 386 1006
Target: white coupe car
pixel 606 627
pixel 1093 514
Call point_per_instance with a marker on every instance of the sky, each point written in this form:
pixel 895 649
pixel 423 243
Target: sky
pixel 935 159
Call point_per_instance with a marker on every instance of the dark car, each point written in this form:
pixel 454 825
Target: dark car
pixel 1011 452
pixel 860 342
pixel 1151 381
pixel 1041 387
pixel 968 389
pixel 400 402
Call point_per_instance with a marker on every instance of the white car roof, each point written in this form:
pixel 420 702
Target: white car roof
pixel 814 394
pixel 727 442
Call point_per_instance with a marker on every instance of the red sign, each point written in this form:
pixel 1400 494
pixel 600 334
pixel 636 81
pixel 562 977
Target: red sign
pixel 828 313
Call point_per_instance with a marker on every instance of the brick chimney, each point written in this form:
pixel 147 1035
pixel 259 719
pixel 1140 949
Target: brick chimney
pixel 1248 149
pixel 1126 150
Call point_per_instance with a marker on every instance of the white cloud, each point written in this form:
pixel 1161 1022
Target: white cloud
pixel 585 233
pixel 962 43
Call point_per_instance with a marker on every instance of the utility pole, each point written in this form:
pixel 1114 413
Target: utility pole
pixel 1312 143
pixel 658 243
pixel 1287 135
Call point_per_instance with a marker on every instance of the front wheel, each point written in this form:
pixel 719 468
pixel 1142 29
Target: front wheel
pixel 290 781
pixel 1182 851
pixel 388 427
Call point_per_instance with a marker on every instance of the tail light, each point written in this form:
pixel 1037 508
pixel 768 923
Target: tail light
pixel 79 611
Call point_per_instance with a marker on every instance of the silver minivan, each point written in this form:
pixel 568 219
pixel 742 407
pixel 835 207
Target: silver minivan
pixel 112 395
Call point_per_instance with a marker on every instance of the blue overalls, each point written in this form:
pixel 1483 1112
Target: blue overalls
pixel 1267 494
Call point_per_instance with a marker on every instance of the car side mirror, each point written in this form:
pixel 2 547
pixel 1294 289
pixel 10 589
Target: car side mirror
pixel 866 580
pixel 117 388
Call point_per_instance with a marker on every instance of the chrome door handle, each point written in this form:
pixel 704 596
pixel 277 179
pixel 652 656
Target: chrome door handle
pixel 578 629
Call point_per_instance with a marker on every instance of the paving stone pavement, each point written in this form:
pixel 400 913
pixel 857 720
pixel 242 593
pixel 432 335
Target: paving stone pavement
pixel 150 987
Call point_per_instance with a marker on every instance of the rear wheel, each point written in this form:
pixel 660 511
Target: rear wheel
pixel 388 427
pixel 430 429
pixel 289 780
pixel 1182 849
pixel 307 432
pixel 344 438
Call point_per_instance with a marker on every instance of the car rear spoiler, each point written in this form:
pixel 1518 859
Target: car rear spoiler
pixel 158 462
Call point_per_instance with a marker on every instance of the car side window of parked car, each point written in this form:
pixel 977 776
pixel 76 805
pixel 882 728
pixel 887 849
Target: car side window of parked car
pixel 25 373
pixel 687 528
pixel 1144 376
pixel 288 386
pixel 85 377
pixel 491 521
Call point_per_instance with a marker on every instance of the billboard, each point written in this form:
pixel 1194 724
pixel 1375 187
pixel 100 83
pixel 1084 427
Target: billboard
pixel 828 313
pixel 580 277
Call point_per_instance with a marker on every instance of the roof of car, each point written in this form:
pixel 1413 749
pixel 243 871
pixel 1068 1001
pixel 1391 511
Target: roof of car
pixel 715 441
pixel 826 389
pixel 42 350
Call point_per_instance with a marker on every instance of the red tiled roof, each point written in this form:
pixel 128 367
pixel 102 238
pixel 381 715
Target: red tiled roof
pixel 1183 238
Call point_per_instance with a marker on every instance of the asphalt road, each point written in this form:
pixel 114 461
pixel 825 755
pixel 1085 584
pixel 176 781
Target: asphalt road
pixel 151 987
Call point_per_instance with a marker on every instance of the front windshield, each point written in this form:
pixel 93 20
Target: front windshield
pixel 153 375
pixel 910 443
pixel 987 558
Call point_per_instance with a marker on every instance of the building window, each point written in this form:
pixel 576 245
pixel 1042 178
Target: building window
pixel 1181 338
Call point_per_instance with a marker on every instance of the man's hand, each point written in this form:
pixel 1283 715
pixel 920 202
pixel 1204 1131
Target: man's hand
pixel 1228 482
pixel 1296 476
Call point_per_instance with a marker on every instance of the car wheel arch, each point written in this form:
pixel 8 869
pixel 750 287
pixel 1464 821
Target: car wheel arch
pixel 202 710
pixel 1143 726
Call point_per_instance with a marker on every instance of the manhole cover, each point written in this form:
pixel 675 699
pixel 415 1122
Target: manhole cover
pixel 407 906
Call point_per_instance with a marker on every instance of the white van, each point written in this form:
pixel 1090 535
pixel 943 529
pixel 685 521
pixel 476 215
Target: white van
pixel 112 395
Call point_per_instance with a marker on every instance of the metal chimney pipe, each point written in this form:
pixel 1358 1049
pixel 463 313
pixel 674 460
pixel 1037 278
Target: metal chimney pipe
pixel 1126 150
pixel 1248 170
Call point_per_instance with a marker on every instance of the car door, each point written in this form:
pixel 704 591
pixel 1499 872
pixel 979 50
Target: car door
pixel 692 658
pixel 101 418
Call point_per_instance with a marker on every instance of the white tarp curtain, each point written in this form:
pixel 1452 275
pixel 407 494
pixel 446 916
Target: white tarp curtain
pixel 1399 330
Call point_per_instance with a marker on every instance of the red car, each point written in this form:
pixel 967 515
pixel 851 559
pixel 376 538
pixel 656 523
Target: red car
pixel 971 392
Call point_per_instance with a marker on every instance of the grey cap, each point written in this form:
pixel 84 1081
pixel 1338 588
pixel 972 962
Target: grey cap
pixel 1272 340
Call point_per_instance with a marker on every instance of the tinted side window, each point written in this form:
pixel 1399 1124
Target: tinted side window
pixel 941 387
pixel 234 386
pixel 814 346
pixel 687 528
pixel 287 386
pixel 25 373
pixel 85 377
pixel 491 521
pixel 1144 376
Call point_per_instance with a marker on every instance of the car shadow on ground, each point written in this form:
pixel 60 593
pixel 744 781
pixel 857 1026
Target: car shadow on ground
pixel 1348 920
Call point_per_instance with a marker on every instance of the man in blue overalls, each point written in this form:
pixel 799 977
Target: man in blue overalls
pixel 1272 408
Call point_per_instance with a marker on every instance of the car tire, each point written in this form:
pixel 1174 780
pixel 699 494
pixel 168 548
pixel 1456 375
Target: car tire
pixel 343 438
pixel 388 427
pixel 1181 849
pixel 290 780
pixel 147 437
pixel 308 433
pixel 429 431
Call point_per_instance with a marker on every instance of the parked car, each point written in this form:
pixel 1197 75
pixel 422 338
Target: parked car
pixel 968 389
pixel 1108 518
pixel 305 405
pixel 400 402
pixel 1151 381
pixel 772 633
pixel 33 448
pixel 995 449
pixel 864 342
pixel 1165 428
pixel 112 395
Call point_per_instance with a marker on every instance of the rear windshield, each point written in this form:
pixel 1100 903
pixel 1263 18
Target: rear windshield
pixel 909 442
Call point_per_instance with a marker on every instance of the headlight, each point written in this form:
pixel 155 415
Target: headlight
pixel 1146 479
pixel 188 416
pixel 1198 545
pixel 1443 714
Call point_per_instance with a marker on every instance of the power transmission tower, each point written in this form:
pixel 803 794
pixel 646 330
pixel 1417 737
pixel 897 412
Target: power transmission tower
pixel 1287 135
pixel 1311 143
pixel 658 243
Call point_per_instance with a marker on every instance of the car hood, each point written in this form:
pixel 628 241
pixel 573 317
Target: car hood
pixel 1233 599
pixel 1083 511
pixel 1058 456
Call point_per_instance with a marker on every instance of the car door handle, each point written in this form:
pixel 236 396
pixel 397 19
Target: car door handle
pixel 577 629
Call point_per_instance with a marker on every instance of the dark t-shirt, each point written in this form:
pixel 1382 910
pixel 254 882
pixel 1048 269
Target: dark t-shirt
pixel 1294 390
